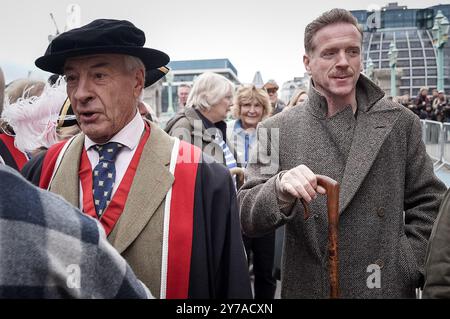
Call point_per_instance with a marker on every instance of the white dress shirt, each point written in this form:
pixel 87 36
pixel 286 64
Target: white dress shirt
pixel 129 137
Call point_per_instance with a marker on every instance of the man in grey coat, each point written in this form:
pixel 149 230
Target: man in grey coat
pixel 437 266
pixel 350 132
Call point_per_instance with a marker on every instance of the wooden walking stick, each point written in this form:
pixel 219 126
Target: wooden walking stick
pixel 332 188
pixel 239 172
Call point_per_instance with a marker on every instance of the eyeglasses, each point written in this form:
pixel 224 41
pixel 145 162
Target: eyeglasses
pixel 273 91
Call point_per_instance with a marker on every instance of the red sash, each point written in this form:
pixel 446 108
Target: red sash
pixel 19 157
pixel 117 204
pixel 181 221
pixel 48 165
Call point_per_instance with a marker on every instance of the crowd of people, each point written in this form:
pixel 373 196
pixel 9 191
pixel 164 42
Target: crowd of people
pixel 434 107
pixel 146 211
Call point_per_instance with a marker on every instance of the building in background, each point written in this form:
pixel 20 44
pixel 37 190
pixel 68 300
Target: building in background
pixel 186 71
pixel 288 88
pixel 152 96
pixel 410 30
pixel 258 80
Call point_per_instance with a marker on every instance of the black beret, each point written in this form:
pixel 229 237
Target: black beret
pixel 100 36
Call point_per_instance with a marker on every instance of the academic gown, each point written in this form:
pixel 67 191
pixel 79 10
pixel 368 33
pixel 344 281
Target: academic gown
pixel 10 155
pixel 218 267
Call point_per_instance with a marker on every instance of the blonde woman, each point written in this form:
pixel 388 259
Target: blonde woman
pixel 299 97
pixel 251 105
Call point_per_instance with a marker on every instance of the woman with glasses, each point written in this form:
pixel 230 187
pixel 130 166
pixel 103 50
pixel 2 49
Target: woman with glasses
pixel 271 88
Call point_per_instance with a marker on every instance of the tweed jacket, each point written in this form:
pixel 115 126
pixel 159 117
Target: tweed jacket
pixel 389 195
pixel 189 127
pixel 51 250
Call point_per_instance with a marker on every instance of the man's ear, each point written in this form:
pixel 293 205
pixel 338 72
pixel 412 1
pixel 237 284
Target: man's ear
pixel 306 61
pixel 140 82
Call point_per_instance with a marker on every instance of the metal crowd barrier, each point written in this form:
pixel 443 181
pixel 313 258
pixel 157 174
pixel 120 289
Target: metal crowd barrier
pixel 435 135
pixel 446 144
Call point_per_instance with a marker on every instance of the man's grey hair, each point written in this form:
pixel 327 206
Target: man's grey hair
pixel 133 63
pixel 208 89
pixel 185 85
pixel 329 17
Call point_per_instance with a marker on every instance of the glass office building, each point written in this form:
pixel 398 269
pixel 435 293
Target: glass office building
pixel 410 30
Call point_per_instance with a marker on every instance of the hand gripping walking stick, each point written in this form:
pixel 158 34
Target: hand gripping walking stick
pixel 332 188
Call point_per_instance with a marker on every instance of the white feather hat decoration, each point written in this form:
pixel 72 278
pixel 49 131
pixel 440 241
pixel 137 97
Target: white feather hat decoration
pixel 34 119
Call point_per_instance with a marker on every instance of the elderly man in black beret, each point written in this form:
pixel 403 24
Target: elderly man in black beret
pixel 169 211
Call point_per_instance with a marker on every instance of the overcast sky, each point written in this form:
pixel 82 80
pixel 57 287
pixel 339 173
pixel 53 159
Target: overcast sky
pixel 255 35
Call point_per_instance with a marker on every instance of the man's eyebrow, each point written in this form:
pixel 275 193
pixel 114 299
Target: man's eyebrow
pixel 99 65
pixel 330 49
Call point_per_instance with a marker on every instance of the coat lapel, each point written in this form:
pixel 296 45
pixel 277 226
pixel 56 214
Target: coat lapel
pixel 375 122
pixel 66 181
pixel 377 125
pixel 196 122
pixel 150 186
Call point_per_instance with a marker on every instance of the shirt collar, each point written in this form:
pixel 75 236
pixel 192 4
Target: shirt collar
pixel 238 124
pixel 221 125
pixel 129 136
pixel 241 131
pixel 207 123
pixel 238 127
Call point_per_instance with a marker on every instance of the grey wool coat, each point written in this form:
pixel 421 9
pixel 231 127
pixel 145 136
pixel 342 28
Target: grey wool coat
pixel 389 195
pixel 188 126
pixel 437 267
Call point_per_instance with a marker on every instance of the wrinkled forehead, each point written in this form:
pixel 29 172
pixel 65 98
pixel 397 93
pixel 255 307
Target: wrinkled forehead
pixel 183 89
pixel 249 100
pixel 337 34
